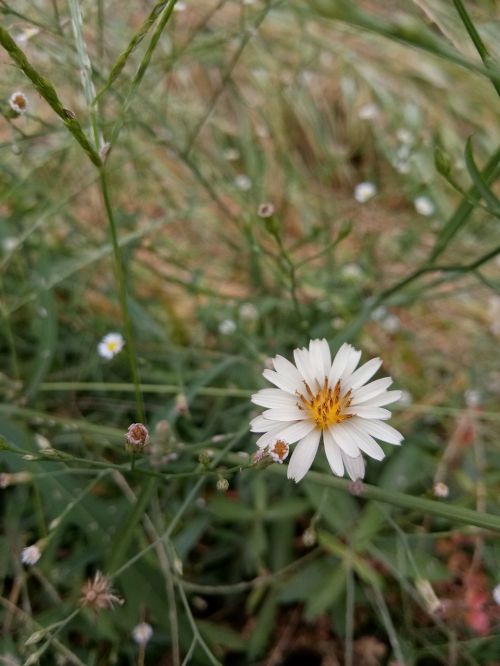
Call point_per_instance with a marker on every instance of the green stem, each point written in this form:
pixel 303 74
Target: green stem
pixel 48 92
pixel 476 40
pixel 122 294
pixel 403 501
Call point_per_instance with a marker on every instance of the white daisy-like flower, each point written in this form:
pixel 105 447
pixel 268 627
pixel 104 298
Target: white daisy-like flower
pixel 18 102
pixel 363 192
pixel 110 345
pixel 319 399
pixel 243 182
pixel 31 555
pixel 424 206
pixel 142 633
pixel 368 112
pixel 227 327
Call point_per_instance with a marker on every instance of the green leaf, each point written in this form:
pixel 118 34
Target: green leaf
pixel 221 635
pixel 232 510
pixel 264 627
pixel 331 589
pixel 479 181
pixel 287 508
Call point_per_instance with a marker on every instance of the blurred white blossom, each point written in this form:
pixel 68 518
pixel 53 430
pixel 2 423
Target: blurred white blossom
pixel 363 192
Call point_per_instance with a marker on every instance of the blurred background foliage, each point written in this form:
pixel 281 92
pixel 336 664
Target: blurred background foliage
pixel 245 103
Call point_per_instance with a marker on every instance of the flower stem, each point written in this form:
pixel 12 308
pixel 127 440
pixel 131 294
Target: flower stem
pixel 122 294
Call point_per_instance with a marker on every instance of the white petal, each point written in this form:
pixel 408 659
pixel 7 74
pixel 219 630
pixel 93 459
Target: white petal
pixel 355 466
pixel 363 374
pixel 284 367
pixel 383 399
pixel 305 367
pixel 281 381
pixel 369 412
pixel 342 438
pixel 319 355
pixel 289 433
pixel 270 436
pixel 260 424
pixel 380 430
pixel 273 398
pixel 333 454
pixel 351 364
pixel 338 364
pixel 370 390
pixel 303 456
pixel 365 442
pixel 292 413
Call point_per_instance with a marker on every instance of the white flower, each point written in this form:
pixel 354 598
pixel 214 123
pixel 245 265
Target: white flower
pixel 31 555
pixel 142 633
pixel 406 398
pixel 404 135
pixel 10 243
pixel 110 345
pixel 496 594
pixel 316 399
pixel 441 489
pixel 368 112
pixel 473 398
pixel 363 192
pixel 231 154
pixel 352 272
pixel 179 7
pixel 243 182
pixel 424 206
pixel 18 102
pixel 227 327
pixel 249 312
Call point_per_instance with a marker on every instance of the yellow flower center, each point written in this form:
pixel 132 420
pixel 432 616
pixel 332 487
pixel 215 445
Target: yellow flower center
pixel 112 346
pixel 327 406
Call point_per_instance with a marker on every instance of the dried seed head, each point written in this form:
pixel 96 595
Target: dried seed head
pixel 18 102
pixel 31 554
pixel 181 404
pixel 441 490
pixel 222 485
pixel 142 633
pixel 266 209
pixel 98 594
pixel 137 436
pixel 309 537
pixel 7 479
pixel 279 451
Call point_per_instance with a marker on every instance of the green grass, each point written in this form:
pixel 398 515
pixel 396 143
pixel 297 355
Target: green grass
pixel 129 198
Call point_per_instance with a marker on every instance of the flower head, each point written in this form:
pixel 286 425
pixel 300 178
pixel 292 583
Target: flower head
pixel 137 436
pixel 97 593
pixel 31 555
pixel 110 345
pixel 363 192
pixel 319 399
pixel 18 102
pixel 227 327
pixel 278 451
pixel 142 633
pixel 424 206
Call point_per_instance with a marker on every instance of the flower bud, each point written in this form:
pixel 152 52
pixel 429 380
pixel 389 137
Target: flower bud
pixel 222 485
pixel 137 436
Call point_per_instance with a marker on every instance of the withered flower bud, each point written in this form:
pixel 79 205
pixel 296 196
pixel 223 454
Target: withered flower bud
pixel 137 436
pixel 98 594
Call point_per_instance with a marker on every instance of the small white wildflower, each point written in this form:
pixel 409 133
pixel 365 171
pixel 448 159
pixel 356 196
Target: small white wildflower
pixel 404 135
pixel 180 6
pixel 352 272
pixel 249 312
pixel 279 451
pixel 231 154
pixel 18 102
pixel 424 206
pixel 142 633
pixel 10 243
pixel 368 112
pixel 496 594
pixel 363 192
pixel 473 398
pixel 318 398
pixel 110 345
pixel 227 327
pixel 243 182
pixel 31 555
pixel 441 490
pixel 391 323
